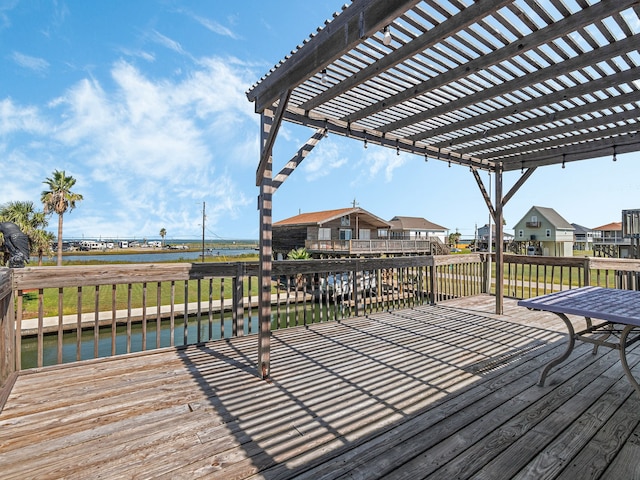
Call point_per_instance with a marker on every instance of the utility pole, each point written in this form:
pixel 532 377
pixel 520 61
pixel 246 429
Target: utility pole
pixel 203 219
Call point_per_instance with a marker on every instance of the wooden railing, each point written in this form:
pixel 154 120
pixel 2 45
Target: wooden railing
pixel 531 276
pixel 71 313
pixel 74 313
pixel 374 247
pixel 7 334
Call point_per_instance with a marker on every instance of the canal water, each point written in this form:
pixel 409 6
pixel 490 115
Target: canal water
pixel 163 256
pixel 69 340
pixel 50 354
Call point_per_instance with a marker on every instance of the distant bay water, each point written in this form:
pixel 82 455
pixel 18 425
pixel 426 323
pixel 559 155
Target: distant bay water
pixel 161 256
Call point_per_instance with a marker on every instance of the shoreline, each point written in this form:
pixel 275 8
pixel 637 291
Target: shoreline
pixel 143 250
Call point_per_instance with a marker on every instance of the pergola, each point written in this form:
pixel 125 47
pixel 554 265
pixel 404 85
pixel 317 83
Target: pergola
pixel 495 85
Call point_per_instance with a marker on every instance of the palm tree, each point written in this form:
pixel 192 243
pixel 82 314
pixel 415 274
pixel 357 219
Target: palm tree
pixel 58 199
pixel 32 224
pixel 298 254
pixel 163 233
pixel 41 242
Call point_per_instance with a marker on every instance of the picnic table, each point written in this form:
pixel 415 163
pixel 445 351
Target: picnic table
pixel 617 313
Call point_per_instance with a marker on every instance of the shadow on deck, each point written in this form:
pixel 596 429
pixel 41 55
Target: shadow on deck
pixel 445 391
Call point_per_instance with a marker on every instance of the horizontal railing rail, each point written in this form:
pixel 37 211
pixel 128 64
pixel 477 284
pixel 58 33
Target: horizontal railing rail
pixel 531 276
pixel 53 315
pixel 374 246
pixel 74 313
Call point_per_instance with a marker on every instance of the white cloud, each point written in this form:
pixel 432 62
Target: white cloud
pixel 215 27
pixel 36 64
pixel 323 160
pixel 149 57
pixel 167 42
pixel 383 161
pixel 158 147
pixel 6 6
pixel 14 118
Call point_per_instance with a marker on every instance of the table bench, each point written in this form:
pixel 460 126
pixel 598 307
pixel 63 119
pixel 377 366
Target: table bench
pixel 617 310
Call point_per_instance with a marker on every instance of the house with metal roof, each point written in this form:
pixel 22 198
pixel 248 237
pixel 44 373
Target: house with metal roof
pixel 410 228
pixel 349 232
pixel 482 238
pixel 543 231
pixel 582 237
pixel 609 241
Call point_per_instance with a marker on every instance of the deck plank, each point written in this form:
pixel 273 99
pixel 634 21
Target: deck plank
pixel 448 391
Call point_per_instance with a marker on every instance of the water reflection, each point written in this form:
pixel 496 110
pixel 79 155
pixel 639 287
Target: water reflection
pixel 69 339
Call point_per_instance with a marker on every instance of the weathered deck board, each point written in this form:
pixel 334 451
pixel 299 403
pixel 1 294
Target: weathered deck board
pixel 430 392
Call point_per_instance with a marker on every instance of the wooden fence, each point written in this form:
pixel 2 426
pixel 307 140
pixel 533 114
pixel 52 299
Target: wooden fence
pixel 71 313
pixel 531 276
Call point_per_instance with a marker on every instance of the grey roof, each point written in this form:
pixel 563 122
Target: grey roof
pixel 580 228
pixel 414 223
pixel 553 217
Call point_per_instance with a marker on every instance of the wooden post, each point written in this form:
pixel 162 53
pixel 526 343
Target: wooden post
pixel 499 242
pixel 485 284
pixel 238 300
pixel 433 284
pixel 266 251
pixel 587 272
pixel 7 330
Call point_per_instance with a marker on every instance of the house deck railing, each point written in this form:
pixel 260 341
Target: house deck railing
pixel 376 247
pixel 54 315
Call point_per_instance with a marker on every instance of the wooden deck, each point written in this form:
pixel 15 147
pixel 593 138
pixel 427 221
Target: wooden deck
pixel 444 392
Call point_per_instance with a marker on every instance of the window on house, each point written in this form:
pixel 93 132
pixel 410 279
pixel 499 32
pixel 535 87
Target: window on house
pixel 345 221
pixel 520 233
pixel 345 234
pixel 383 233
pixel 364 234
pixel 324 234
pixel 548 232
pixel 534 219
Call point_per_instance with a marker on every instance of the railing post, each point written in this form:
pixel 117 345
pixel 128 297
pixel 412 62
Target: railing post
pixel 355 284
pixel 238 300
pixel 7 328
pixel 587 271
pixel 433 285
pixel 486 274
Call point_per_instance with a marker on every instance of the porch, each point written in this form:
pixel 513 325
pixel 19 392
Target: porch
pixel 432 246
pixel 425 391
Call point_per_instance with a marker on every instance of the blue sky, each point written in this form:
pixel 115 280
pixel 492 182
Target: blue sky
pixel 143 102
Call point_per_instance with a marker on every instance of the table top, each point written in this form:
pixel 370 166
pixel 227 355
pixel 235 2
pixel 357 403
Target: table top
pixel 610 304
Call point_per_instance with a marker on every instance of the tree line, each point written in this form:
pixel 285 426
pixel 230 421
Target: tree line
pixel 57 198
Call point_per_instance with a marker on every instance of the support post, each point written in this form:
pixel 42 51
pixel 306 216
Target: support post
pixel 266 250
pixel 499 241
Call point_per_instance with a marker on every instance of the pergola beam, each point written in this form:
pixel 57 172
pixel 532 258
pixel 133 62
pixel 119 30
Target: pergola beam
pixel 356 22
pixel 545 144
pixel 297 159
pixel 427 40
pixel 592 109
pixel 580 61
pixel 540 37
pixel 580 151
pixel 541 102
pixel 271 134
